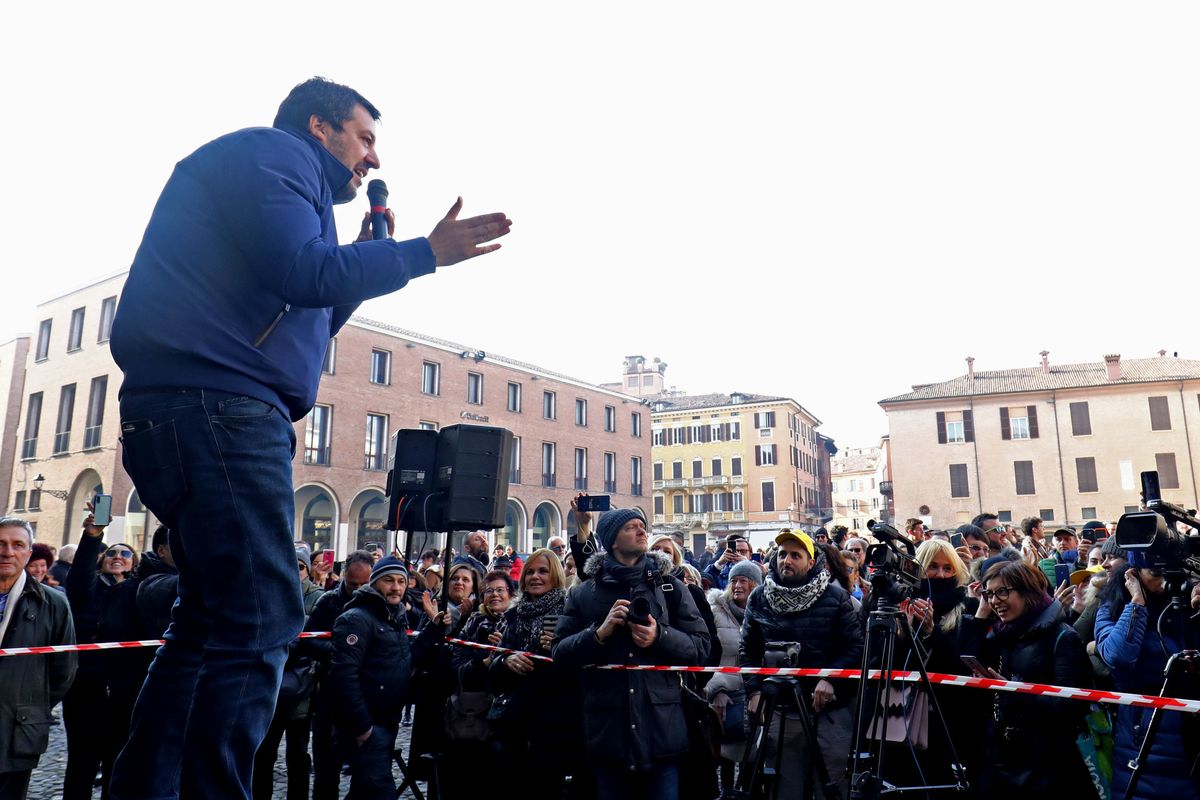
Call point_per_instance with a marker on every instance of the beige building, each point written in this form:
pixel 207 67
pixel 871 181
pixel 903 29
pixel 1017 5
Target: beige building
pixel 856 487
pixel 569 436
pixel 735 462
pixel 12 388
pixel 1063 442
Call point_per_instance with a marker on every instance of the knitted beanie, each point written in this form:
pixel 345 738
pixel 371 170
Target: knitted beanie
pixel 388 566
pixel 611 523
pixel 303 557
pixel 746 569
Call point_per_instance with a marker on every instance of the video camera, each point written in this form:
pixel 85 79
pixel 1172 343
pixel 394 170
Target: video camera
pixel 777 655
pixel 895 572
pixel 1152 537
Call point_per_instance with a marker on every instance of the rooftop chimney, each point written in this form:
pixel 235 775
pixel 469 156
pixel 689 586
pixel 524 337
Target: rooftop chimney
pixel 1162 353
pixel 971 368
pixel 1113 364
pixel 1045 354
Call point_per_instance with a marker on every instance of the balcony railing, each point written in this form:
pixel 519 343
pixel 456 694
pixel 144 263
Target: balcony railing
pixel 711 480
pixel 675 483
pixel 737 480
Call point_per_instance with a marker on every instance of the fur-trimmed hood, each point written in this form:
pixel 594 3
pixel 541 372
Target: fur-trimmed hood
pixel 597 564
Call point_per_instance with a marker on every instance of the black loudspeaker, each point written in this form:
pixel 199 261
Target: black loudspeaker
pixel 410 473
pixel 472 476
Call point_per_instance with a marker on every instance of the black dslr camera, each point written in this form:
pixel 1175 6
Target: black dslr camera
pixel 777 655
pixel 1152 538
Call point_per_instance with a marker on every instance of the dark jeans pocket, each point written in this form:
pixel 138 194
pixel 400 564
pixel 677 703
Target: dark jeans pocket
pixel 151 457
pixel 243 407
pixel 31 734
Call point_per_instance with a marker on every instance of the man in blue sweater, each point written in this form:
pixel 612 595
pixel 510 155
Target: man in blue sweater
pixel 232 298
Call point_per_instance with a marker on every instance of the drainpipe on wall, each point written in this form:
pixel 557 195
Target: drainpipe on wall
pixel 1188 438
pixel 1062 479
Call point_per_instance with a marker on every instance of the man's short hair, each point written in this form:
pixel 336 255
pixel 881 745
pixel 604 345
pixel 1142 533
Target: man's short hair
pixel 1029 523
pixel 161 538
pixel 913 522
pixel 981 518
pixel 18 522
pixel 359 557
pixel 330 101
pixel 429 554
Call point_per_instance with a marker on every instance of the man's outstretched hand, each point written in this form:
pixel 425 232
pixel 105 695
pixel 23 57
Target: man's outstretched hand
pixel 455 240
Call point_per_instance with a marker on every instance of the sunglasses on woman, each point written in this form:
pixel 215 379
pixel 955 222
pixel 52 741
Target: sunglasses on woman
pixel 114 552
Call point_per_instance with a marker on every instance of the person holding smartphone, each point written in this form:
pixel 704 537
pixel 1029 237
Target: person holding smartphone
pixel 737 548
pixel 535 712
pixel 1021 634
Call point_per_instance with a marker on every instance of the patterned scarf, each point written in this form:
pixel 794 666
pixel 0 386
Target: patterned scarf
pixel 529 612
pixel 794 599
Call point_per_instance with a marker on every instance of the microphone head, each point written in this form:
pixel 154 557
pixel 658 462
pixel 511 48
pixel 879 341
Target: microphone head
pixel 377 192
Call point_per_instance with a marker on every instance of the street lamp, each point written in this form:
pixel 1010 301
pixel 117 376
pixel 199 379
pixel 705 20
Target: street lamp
pixel 40 481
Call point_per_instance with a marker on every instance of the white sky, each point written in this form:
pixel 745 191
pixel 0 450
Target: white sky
pixel 829 201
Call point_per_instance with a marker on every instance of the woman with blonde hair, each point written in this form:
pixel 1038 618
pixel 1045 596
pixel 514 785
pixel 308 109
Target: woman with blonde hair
pixel 535 713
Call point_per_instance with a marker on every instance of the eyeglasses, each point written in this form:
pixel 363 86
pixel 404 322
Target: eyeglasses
pixel 495 590
pixel 558 547
pixel 977 548
pixel 1000 593
pixel 854 549
pixel 301 566
pixel 114 552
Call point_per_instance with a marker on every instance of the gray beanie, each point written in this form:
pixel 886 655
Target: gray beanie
pixel 388 566
pixel 746 569
pixel 611 523
pixel 303 557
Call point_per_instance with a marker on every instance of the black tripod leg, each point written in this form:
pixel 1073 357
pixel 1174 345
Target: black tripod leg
pixel 1139 761
pixel 750 770
pixel 956 766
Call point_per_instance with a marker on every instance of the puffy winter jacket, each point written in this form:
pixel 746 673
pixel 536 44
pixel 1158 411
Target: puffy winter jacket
pixel 372 663
pixel 829 632
pixel 1024 728
pixel 1131 644
pixel 631 719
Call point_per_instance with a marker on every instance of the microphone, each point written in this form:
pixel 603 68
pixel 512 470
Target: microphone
pixel 377 193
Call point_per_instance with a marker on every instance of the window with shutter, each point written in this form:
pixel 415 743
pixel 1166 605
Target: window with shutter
pixel 941 427
pixel 1031 411
pixel 968 418
pixel 658 470
pixel 697 468
pixel 768 496
pixel 1081 420
pixel 1023 472
pixel 958 481
pixel 1160 414
pixel 735 465
pixel 677 470
pixel 1005 425
pixel 1168 477
pixel 1085 471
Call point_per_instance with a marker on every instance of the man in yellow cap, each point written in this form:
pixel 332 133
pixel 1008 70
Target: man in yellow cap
pixel 799 602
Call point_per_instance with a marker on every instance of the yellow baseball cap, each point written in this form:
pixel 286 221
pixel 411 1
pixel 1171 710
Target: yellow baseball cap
pixel 798 536
pixel 1082 575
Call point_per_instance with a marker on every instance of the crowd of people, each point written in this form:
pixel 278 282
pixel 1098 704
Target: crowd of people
pixel 397 656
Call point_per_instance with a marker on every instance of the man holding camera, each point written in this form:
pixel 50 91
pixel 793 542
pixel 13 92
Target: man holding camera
pixel 737 548
pixel 631 611
pixel 799 604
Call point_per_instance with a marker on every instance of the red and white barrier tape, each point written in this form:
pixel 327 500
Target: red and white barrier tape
pixel 89 646
pixel 1020 687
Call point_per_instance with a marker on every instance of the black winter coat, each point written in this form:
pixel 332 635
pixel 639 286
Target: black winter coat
pixel 157 589
pixel 631 719
pixel 31 685
pixel 1023 728
pixel 105 611
pixel 829 633
pixel 371 672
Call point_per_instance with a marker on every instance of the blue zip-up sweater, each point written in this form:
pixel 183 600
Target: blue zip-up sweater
pixel 239 282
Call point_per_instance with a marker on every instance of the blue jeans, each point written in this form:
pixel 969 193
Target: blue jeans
pixel 216 468
pixel 371 765
pixel 659 783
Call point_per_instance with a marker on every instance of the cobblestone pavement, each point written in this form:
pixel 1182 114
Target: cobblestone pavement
pixel 46 783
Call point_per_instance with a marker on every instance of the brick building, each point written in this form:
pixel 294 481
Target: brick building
pixel 1063 442
pixel 569 435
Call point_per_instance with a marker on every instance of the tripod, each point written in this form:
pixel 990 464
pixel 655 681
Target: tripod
pixel 755 778
pixel 866 773
pixel 1184 663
